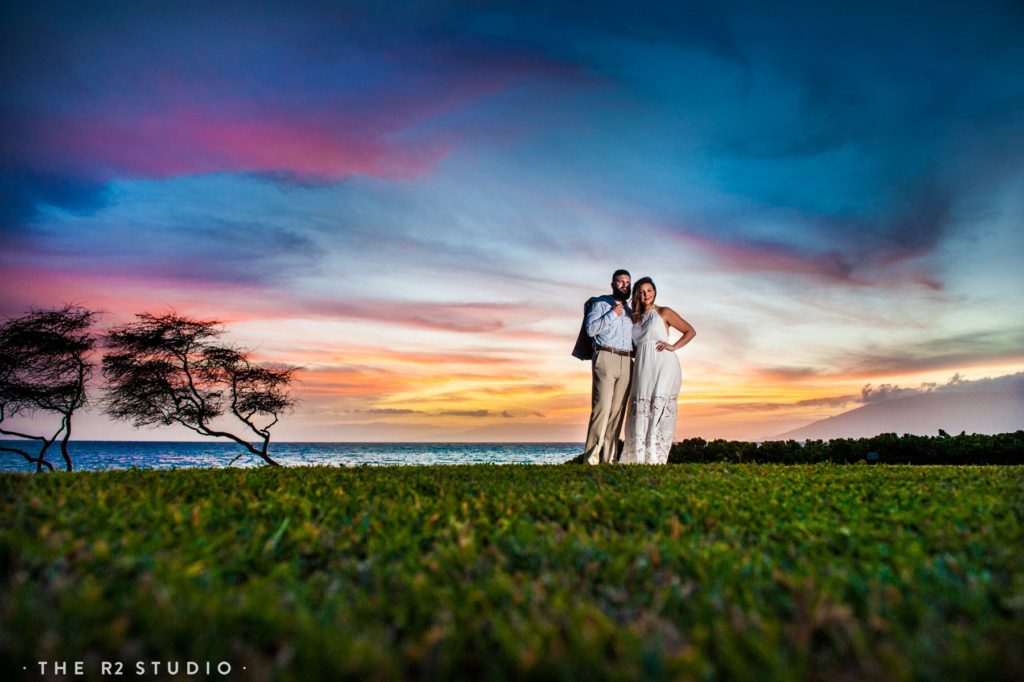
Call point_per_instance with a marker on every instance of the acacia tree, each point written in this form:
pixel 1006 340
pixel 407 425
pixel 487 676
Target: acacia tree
pixel 170 369
pixel 45 364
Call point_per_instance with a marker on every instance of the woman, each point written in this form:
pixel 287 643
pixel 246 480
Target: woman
pixel 654 389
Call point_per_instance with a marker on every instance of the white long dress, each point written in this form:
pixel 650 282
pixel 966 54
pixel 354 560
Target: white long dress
pixel 653 393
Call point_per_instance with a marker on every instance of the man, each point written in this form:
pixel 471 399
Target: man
pixel 610 328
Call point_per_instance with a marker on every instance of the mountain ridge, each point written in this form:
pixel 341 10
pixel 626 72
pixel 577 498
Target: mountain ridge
pixel 986 411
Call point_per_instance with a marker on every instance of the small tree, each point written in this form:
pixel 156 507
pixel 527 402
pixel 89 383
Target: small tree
pixel 169 369
pixel 45 364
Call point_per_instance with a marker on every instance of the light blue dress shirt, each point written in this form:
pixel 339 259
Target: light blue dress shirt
pixel 608 329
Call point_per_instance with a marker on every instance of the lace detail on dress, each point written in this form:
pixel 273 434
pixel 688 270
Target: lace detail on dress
pixel 653 391
pixel 650 429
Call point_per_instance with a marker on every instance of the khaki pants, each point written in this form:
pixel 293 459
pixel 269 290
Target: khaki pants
pixel 611 374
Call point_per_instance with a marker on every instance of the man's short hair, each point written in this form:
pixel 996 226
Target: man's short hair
pixel 621 272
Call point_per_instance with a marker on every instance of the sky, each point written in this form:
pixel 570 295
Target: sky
pixel 412 201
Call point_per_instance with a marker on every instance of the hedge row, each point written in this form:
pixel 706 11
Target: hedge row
pixel 887 448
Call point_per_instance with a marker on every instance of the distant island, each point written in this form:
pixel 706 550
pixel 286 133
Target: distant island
pixel 986 406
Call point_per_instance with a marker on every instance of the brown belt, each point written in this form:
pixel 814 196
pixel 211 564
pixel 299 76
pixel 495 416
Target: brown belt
pixel 627 353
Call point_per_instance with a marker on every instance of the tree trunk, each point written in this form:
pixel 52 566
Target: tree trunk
pixel 65 439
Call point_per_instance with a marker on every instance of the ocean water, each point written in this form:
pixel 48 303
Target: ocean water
pixel 100 455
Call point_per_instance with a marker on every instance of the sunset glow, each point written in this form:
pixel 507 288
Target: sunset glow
pixel 414 208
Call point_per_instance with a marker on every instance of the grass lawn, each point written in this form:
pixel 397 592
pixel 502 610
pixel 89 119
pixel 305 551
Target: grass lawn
pixel 502 572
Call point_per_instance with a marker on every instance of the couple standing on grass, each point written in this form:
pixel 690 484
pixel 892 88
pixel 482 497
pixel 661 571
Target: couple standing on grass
pixel 627 342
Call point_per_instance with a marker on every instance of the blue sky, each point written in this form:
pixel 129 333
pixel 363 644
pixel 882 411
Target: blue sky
pixel 413 202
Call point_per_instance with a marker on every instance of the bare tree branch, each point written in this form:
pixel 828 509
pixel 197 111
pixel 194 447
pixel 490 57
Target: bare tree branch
pixel 28 457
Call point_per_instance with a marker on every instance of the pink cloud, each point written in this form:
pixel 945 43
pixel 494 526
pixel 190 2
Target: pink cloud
pixel 182 142
pixel 125 295
pixel 832 266
pixel 203 122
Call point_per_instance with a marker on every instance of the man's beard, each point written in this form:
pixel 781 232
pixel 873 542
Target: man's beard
pixel 621 295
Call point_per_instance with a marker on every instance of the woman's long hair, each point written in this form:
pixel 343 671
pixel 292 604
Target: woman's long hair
pixel 635 304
